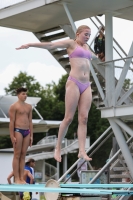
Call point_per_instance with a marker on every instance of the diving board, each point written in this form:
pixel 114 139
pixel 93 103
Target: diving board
pixel 75 188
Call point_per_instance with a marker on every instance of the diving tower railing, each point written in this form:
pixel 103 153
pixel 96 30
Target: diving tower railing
pixel 90 148
pixel 116 46
pixel 97 144
pixel 118 49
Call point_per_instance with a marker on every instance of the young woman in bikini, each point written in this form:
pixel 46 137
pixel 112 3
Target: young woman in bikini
pixel 78 89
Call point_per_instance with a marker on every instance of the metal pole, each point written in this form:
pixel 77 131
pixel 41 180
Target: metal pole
pixel 95 36
pixel 69 17
pixel 38 113
pixel 123 74
pixel 122 144
pixel 109 70
pixel 58 170
pixel 65 159
pixel 91 147
pixel 124 126
pixel 43 170
pixel 98 84
pixel 3 113
pixel 103 141
pixel 125 96
pixel 107 164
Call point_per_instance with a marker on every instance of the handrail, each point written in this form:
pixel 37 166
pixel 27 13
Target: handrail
pixel 103 141
pixel 113 39
pixel 102 63
pixel 108 163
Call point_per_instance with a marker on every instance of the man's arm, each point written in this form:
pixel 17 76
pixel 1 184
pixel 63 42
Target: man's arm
pixel 31 177
pixel 31 127
pixel 12 113
pixel 9 177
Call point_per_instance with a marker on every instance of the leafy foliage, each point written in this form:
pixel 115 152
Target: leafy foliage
pixel 127 85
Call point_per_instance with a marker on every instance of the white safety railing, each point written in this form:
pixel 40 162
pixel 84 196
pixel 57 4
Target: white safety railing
pixel 119 67
pixel 48 139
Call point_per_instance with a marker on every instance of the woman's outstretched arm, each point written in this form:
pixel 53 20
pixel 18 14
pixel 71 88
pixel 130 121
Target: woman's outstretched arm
pixel 48 45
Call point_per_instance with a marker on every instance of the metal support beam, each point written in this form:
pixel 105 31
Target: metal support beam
pixel 98 84
pixel 3 113
pixel 38 113
pixel 58 169
pixel 68 30
pixel 69 17
pixel 109 69
pixel 122 144
pixel 95 35
pixel 91 147
pixel 107 164
pixel 120 111
pixel 65 158
pixel 125 96
pixel 124 126
pixel 43 170
pixel 123 74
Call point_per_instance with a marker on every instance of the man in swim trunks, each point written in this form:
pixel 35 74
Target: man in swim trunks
pixel 78 89
pixel 21 133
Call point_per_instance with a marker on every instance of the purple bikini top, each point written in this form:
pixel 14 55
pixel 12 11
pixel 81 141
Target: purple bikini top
pixel 80 52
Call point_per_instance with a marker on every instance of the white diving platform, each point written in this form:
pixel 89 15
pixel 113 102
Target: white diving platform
pixel 39 15
pixel 39 125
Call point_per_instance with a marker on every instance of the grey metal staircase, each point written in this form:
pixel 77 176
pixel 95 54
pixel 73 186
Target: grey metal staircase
pixel 53 34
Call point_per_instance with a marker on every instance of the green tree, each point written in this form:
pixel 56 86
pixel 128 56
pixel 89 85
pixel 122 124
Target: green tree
pixel 24 80
pixel 127 84
pixel 5 142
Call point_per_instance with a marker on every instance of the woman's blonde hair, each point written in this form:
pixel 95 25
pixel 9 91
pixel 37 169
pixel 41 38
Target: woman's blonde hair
pixel 81 28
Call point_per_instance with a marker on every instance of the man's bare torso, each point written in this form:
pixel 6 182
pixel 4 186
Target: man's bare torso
pixel 22 112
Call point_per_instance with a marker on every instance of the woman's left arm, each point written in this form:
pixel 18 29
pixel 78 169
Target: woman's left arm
pixel 93 56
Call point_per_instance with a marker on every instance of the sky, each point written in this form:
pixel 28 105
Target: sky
pixel 39 62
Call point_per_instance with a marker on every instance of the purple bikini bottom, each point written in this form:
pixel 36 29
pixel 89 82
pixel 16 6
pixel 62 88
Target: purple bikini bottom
pixel 82 86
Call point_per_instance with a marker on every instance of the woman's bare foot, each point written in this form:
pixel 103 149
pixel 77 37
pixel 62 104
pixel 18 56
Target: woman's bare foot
pixel 84 156
pixel 57 155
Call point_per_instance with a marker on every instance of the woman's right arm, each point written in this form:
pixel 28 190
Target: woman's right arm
pixel 48 45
